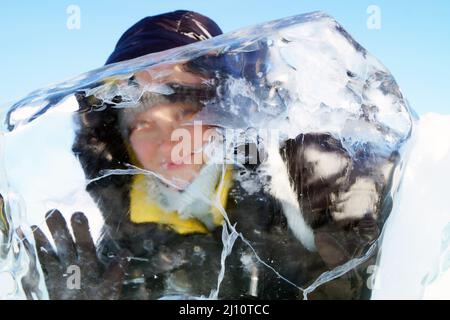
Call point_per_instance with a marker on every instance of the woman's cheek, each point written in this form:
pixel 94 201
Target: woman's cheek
pixel 144 149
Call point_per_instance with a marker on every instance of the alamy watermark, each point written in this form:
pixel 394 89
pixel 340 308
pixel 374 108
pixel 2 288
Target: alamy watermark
pixel 371 280
pixel 374 19
pixel 73 281
pixel 74 17
pixel 224 146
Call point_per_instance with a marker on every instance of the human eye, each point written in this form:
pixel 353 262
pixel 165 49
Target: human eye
pixel 190 111
pixel 142 125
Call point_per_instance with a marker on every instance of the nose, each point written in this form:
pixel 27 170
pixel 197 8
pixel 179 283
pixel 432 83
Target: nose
pixel 166 147
pixel 183 141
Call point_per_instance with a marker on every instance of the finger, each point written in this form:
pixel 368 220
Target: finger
pixel 30 281
pixel 65 246
pixel 114 276
pixel 47 256
pixel 28 248
pixel 87 255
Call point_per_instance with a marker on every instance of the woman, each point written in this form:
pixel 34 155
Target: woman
pixel 162 239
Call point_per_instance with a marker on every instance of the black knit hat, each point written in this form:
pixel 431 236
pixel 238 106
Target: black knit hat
pixel 163 32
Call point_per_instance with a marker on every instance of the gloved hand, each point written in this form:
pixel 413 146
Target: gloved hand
pixel 76 258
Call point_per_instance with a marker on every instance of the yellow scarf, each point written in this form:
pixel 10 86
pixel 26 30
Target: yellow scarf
pixel 142 210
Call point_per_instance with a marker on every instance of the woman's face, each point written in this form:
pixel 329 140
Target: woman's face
pixel 151 136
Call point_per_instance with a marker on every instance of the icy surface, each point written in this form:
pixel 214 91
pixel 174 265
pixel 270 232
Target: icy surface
pixel 414 261
pixel 331 131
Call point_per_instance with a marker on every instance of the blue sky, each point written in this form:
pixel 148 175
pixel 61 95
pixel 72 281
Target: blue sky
pixel 37 48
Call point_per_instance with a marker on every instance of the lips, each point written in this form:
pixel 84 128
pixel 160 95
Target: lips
pixel 174 165
pixel 170 165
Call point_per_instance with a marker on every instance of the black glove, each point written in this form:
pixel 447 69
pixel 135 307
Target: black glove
pixel 76 258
